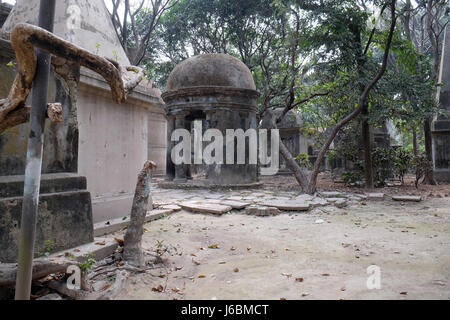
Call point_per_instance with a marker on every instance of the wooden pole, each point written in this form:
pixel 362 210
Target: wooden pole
pixel 34 159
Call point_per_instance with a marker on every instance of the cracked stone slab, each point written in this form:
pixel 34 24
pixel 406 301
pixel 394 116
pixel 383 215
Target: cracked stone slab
pixel 304 197
pixel 234 198
pixel 239 205
pixel 318 202
pixel 289 205
pixel 262 211
pixel 407 198
pixel 206 208
pixel 173 207
pixel 375 196
pixel 341 203
pixel 332 194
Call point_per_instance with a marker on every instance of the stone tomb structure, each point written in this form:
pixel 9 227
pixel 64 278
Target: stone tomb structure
pixel 291 134
pixel 441 126
pixel 91 161
pixel 219 91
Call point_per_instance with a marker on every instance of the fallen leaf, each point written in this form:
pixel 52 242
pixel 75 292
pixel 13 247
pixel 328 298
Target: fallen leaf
pixel 101 243
pixel 325 274
pixel 76 250
pixel 176 290
pixel 305 294
pixel 236 270
pixel 195 262
pixel 300 279
pixel 233 249
pixel 213 246
pixel 119 241
pixel 202 276
pixel 282 299
pixel 404 293
pixel 106 286
pixel 287 274
pixel 178 268
pixel 159 288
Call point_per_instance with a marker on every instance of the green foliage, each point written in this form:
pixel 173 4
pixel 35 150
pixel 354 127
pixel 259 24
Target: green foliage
pixel 48 247
pixel 304 161
pixel 319 46
pixel 88 263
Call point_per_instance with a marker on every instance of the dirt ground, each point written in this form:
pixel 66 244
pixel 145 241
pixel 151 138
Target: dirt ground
pixel 292 256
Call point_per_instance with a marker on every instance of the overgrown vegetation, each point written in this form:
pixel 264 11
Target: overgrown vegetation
pixel 314 57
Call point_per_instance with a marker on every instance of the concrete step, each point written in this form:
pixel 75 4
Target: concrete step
pixel 114 225
pixel 12 186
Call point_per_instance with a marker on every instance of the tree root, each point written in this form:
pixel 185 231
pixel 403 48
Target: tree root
pixel 25 38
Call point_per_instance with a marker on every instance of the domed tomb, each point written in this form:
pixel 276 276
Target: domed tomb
pixel 211 70
pixel 214 91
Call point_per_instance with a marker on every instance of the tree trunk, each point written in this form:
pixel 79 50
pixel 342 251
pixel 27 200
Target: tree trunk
pixel 429 172
pixel 132 241
pixel 415 147
pixel 367 145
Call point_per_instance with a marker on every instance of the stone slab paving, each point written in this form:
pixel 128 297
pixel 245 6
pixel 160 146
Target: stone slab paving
pixel 239 205
pixel 407 198
pixel 206 208
pixel 289 205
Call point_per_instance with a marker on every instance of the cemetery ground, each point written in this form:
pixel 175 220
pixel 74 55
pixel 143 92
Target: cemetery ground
pixel 322 253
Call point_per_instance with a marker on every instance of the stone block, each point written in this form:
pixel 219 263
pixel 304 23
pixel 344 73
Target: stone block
pixel 64 221
pixel 407 198
pixel 262 211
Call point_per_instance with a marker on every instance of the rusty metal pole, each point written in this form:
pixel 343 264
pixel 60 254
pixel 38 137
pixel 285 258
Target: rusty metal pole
pixel 34 159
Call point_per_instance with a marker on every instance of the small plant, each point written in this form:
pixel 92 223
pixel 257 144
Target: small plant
pixel 162 249
pixel 88 263
pixel 403 161
pixel 116 55
pixel 48 247
pixel 276 192
pixel 11 64
pixel 97 47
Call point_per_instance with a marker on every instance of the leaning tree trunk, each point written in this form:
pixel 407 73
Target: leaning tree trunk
pixel 132 252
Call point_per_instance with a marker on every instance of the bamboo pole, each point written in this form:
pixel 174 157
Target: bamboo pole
pixel 34 159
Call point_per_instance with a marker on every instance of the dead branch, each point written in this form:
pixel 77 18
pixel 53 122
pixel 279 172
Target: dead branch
pixel 22 115
pixel 132 251
pixel 41 268
pixel 25 38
